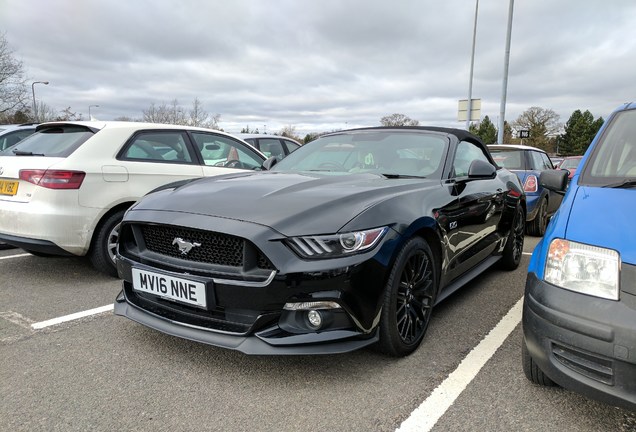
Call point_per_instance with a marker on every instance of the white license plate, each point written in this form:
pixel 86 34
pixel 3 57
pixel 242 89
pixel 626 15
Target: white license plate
pixel 168 287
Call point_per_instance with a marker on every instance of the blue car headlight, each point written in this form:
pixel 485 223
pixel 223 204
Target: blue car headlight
pixel 583 268
pixel 335 245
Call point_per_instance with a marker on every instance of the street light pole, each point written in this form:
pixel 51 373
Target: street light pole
pixel 472 62
pixel 89 111
pixel 35 107
pixel 504 85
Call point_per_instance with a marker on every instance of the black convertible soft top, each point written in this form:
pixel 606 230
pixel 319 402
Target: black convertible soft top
pixel 461 134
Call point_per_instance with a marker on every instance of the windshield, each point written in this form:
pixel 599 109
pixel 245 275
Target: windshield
pixel 613 159
pixel 510 159
pixel 58 141
pixel 387 152
pixel 570 163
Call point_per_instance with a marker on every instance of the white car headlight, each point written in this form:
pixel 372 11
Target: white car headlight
pixel 336 245
pixel 583 268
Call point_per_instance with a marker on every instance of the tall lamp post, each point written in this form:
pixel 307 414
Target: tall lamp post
pixel 89 111
pixel 35 107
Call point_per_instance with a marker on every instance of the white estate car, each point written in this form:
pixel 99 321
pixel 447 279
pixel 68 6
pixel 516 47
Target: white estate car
pixel 64 189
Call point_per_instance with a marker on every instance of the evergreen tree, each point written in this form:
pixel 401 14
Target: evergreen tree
pixel 487 131
pixel 580 130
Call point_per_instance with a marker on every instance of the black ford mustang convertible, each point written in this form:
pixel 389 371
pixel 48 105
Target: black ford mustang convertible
pixel 349 241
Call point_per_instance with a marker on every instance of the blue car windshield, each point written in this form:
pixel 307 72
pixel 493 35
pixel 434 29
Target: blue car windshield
pixel 394 153
pixel 613 159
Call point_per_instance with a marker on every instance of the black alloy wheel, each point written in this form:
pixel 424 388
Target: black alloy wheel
pixel 511 256
pixel 408 300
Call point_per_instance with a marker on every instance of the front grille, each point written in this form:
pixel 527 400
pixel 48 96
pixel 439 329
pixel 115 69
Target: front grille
pixel 208 247
pixel 591 366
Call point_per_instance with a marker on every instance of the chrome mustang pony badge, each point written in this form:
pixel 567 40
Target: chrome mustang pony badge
pixel 184 246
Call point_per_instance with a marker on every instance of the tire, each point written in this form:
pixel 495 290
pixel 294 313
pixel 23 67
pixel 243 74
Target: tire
pixel 103 246
pixel 511 256
pixel 532 371
pixel 536 227
pixel 408 301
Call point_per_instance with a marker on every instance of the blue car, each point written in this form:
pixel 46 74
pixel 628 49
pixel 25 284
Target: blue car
pixel 528 163
pixel 579 313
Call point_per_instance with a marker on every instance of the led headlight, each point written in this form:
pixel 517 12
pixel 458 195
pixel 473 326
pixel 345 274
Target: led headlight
pixel 336 245
pixel 583 268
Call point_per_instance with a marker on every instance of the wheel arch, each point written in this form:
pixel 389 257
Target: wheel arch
pixel 119 207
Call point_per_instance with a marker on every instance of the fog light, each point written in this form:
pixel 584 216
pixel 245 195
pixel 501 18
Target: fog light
pixel 315 319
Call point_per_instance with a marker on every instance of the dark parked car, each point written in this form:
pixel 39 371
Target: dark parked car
pixel 528 163
pixel 347 242
pixel 271 145
pixel 579 310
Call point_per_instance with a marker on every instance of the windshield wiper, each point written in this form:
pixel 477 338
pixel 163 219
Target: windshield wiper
pixel 627 183
pixel 26 153
pixel 402 176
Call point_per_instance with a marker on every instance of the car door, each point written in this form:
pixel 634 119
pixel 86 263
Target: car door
pixel 473 219
pixel 151 158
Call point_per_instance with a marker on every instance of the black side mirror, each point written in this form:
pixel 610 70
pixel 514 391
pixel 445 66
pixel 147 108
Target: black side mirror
pixel 554 180
pixel 270 162
pixel 480 169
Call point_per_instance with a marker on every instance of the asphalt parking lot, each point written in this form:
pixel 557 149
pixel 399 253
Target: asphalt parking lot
pixel 102 372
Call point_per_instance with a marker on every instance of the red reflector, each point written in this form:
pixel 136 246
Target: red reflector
pixel 54 179
pixel 531 184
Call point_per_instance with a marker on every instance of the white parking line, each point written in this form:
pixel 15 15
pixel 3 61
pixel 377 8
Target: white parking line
pixel 15 256
pixel 433 408
pixel 71 317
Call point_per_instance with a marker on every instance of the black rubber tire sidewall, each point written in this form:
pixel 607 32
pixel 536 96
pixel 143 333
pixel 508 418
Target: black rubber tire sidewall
pixel 98 253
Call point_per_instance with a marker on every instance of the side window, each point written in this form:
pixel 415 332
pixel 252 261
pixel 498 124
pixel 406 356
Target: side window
pixel 158 147
pixel 12 138
pixel 217 150
pixel 272 147
pixel 291 146
pixel 536 161
pixel 547 163
pixel 465 154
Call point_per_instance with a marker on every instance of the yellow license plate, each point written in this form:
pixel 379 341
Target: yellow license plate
pixel 8 187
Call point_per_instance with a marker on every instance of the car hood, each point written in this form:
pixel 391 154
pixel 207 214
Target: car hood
pixel 604 217
pixel 291 203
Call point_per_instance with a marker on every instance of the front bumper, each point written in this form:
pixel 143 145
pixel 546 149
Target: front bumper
pixel 266 342
pixel 583 343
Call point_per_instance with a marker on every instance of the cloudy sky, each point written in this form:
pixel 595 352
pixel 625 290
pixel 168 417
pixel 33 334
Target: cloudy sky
pixel 320 65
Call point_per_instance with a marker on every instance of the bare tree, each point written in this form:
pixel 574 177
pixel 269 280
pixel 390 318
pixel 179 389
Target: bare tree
pixel 176 114
pixel 198 116
pixel 164 113
pixel 47 112
pixel 398 120
pixel 289 131
pixel 13 88
pixel 67 115
pixel 543 125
